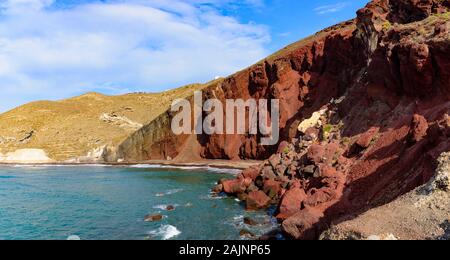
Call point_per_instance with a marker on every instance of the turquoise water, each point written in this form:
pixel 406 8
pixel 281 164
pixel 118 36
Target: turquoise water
pixel 111 202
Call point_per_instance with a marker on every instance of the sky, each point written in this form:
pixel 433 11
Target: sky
pixel 54 49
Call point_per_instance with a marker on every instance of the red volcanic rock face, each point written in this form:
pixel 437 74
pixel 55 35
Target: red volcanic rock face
pixel 302 79
pixel 401 11
pixel 386 122
pixel 419 128
pixel 366 139
pixel 310 73
pixel 407 11
pixel 384 83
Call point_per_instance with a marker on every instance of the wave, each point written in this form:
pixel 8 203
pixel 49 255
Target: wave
pixel 164 207
pixel 161 166
pixel 146 166
pixel 212 196
pixel 187 168
pixel 73 237
pixel 169 192
pixel 223 170
pixel 238 218
pixel 136 166
pixel 165 232
pixel 55 165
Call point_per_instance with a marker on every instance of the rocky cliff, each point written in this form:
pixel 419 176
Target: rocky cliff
pixel 304 77
pixel 365 117
pixel 395 48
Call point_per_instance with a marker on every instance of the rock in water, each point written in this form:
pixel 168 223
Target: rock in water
pixel 246 233
pixel 250 221
pixel 153 218
pixel 218 188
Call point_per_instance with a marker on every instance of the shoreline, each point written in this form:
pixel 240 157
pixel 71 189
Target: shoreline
pixel 220 164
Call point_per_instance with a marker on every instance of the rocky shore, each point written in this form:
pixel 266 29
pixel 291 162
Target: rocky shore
pixel 385 135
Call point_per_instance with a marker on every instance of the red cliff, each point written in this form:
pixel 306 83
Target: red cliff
pixel 382 82
pixel 385 87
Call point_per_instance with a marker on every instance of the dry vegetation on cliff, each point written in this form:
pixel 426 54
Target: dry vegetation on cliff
pixel 71 128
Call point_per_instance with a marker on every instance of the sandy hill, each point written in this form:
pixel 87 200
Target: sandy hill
pixel 71 128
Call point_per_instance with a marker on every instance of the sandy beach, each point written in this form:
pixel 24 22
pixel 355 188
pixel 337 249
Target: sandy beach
pixel 224 164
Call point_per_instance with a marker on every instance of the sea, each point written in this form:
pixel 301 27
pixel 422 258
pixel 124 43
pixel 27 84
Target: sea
pixel 100 202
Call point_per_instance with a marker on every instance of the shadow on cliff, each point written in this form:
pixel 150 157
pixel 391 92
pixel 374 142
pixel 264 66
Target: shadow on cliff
pixel 391 171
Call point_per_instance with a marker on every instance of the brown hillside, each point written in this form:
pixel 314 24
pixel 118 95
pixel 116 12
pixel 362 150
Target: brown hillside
pixel 71 128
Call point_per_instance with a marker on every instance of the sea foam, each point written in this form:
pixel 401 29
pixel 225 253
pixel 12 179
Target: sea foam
pixel 169 192
pixel 73 238
pixel 166 232
pixel 187 168
pixel 164 207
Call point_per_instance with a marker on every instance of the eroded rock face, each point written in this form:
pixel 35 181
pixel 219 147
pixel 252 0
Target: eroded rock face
pixel 408 11
pixel 381 48
pixel 303 78
pixel 381 136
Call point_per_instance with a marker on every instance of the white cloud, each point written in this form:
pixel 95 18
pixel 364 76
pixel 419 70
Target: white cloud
pixel 333 8
pixel 118 46
pixel 13 5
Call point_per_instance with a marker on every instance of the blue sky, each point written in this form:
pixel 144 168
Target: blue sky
pixel 53 49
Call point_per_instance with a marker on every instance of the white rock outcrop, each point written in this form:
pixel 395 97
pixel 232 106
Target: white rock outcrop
pixel 120 121
pixel 96 155
pixel 25 156
pixel 312 121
